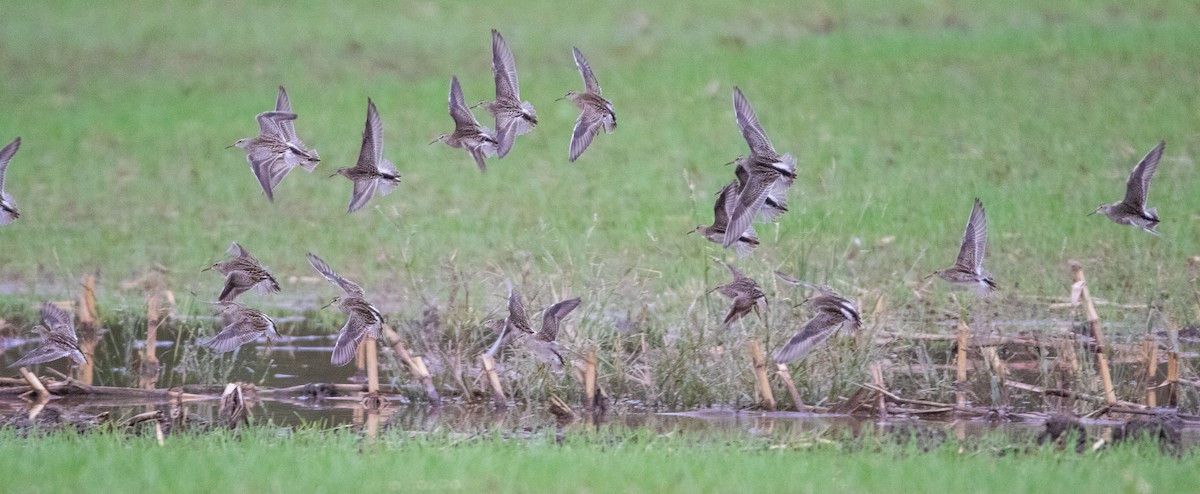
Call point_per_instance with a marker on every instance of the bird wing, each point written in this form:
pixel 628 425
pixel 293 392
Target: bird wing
pixel 747 120
pixel 586 127
pixel 516 311
pixel 1138 186
pixel 371 152
pixel 347 286
pixel 553 316
pixel 741 306
pixel 269 121
pixel 363 191
pixel 232 336
pixel 478 153
pixel 41 354
pixel 974 241
pixel 725 201
pixel 742 174
pixel 504 68
pixel 506 134
pixel 585 70
pixel 236 283
pixel 264 164
pixel 236 250
pixel 348 339
pixel 812 334
pixel 463 118
pixel 749 201
pixel 58 321
pixel 6 155
pixel 284 105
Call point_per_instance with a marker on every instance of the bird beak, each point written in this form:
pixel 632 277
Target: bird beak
pixel 206 269
pixel 562 98
pixel 327 305
pixel 1093 211
pixel 334 175
pixel 437 139
pixel 930 275
pixel 231 145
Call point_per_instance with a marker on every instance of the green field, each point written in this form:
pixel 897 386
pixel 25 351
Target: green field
pixel 266 460
pixel 899 116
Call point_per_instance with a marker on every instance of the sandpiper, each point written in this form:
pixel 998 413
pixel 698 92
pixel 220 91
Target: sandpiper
pixel 832 312
pixel 967 271
pixel 8 209
pixel 468 134
pixel 362 318
pixel 371 174
pixel 513 116
pixel 542 344
pixel 595 111
pixel 515 324
pixel 243 325
pixel 58 339
pixel 276 149
pixel 827 300
pixel 768 172
pixel 1132 210
pixel 716 232
pixel 745 293
pixel 242 273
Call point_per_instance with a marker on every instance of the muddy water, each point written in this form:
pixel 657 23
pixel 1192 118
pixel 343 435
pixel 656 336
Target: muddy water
pixel 303 357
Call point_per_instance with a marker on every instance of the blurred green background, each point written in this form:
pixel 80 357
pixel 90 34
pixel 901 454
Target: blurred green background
pixel 899 116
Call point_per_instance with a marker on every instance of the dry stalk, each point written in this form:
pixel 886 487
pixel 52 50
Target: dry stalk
pixel 36 384
pixel 489 368
pixel 418 371
pixel 589 380
pixel 1110 397
pixel 760 374
pixel 372 353
pixel 1151 348
pixel 89 330
pixel 781 370
pixel 877 380
pixel 960 382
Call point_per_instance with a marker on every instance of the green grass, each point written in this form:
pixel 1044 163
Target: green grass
pixel 265 460
pixel 899 116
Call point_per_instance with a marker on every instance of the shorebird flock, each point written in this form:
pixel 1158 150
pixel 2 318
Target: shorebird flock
pixel 756 194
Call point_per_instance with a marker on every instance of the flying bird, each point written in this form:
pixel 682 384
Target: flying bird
pixel 58 339
pixel 513 116
pixel 468 134
pixel 1132 210
pixel 276 150
pixel 746 295
pixel 967 271
pixel 242 325
pixel 543 343
pixel 766 172
pixel 362 318
pixel 242 273
pixel 595 111
pixel 371 174
pixel 832 312
pixel 8 208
